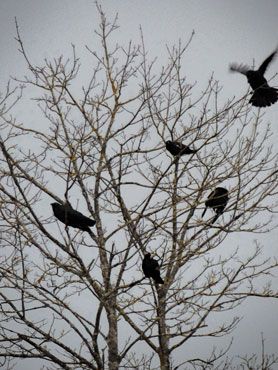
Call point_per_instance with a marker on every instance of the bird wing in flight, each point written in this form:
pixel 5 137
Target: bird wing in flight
pixel 266 62
pixel 241 68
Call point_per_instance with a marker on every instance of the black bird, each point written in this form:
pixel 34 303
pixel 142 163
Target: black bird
pixel 70 217
pixel 217 200
pixel 150 268
pixel 263 95
pixel 178 149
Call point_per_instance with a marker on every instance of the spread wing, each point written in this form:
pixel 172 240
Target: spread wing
pixel 240 68
pixel 266 62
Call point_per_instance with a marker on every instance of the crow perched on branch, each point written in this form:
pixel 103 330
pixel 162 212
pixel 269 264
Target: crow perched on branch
pixel 150 268
pixel 178 149
pixel 263 95
pixel 217 200
pixel 70 217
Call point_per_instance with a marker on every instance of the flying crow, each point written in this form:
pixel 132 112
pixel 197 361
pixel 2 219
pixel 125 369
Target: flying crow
pixel 263 95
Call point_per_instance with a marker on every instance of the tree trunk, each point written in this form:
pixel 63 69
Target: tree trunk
pixel 162 330
pixel 112 338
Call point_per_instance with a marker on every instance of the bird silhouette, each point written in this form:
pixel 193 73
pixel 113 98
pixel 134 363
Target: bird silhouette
pixel 70 217
pixel 263 95
pixel 217 200
pixel 178 149
pixel 150 268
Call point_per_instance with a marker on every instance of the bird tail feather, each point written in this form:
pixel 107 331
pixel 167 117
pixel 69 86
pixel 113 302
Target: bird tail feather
pixel 264 97
pixel 215 218
pixel 159 280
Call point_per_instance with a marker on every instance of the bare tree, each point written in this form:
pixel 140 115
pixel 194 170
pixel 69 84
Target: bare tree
pixel 80 301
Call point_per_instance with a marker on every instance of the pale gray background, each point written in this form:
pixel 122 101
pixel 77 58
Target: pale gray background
pixel 226 31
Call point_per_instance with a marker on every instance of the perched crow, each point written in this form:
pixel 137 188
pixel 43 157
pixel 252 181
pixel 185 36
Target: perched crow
pixel 263 95
pixel 176 148
pixel 151 269
pixel 70 217
pixel 217 200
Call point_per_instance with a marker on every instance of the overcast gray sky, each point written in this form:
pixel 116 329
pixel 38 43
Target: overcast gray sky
pixel 225 31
